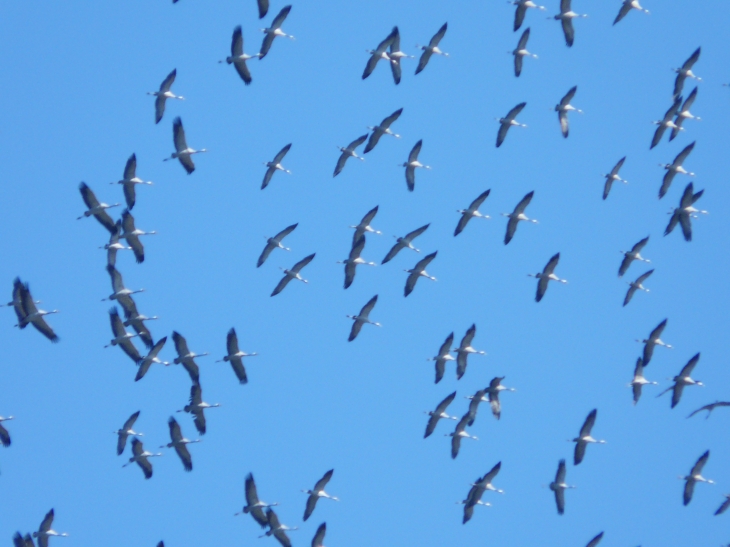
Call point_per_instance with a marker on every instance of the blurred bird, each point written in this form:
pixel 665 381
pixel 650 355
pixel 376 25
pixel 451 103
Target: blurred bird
pixel 45 531
pixel 478 488
pixel 564 106
pixel 507 122
pixel 275 243
pixel 471 212
pixel 559 487
pixel 521 11
pixel 684 114
pixel 695 476
pixel 4 435
pixel 637 285
pixel 197 407
pixel 163 94
pixel 443 356
pixel 130 181
pixel 709 408
pixel 238 58
pixel 151 358
pixel 633 254
pixel 96 208
pixel 566 17
pixel 141 458
pixel 438 414
pixel 318 492
pixel 33 316
pixel 516 216
pixel 412 164
pixel 654 340
pixel 686 72
pixel 186 358
pixel 666 122
pixel 417 272
pixel 122 338
pixel 395 55
pixel 626 7
pixel 253 504
pixel 382 129
pixel 674 168
pixel 235 356
pixel 431 49
pixel 273 31
pixel 277 529
pixel 546 276
pixel 520 52
pixel 683 214
pixel 274 166
pixel 179 443
pixel 613 177
pixel 349 152
pixel 639 381
pixel 584 437
pixel 404 242
pixel 379 53
pixel 683 379
pixel 293 274
pixel 361 318
pixel 182 152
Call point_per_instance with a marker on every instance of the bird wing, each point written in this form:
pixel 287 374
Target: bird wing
pixel 640 245
pixel 422 264
pixel 568 96
pixel 237 42
pixel 568 31
pixel 282 153
pixel 395 249
pixel 446 346
pixel 443 405
pixel 130 169
pixel 461 362
pixel 512 114
pixel 130 195
pixel 413 156
pixel 495 404
pixel 88 196
pixel 560 475
pixel 468 337
pixel 367 308
pixel 185 457
pixel 252 497
pixel 689 101
pixel 344 156
pixel 386 123
pixel 371 64
pixel 20 312
pixel 658 134
pixel 321 483
pixel 455 445
pixel 267 177
pixel 232 342
pixel 395 68
pixel 355 330
pixel 560 499
pixel 585 430
pixel 357 142
pixel 318 539
pixel 552 264
pixel 689 489
pixel 239 370
pixel 440 369
pixel 523 40
pixel 689 367
pixel 279 19
pixel 630 294
pixel 687 196
pixel 41 326
pixel 636 389
pixel 595 540
pixel 679 160
pixel 474 406
pixel 47 522
pixel 564 125
pixel 479 200
pixel 580 452
pixel 4 436
pixel 181 345
pixel 263 8
pixel 199 420
pixel 122 439
pixel 133 240
pixel 436 39
pixel 643 277
pixel 673 221
pixel 723 507
pixel 388 41
pixel 502 133
pixel 280 286
pixel 679 83
pixel 411 178
pixel 160 102
pixel 686 223
pixel 468 512
pixel 242 69
pixel 266 44
pixel 303 262
pixel 423 61
pixel 311 504
pixel 524 202
pixel 369 216
pixel 463 221
pixel 128 347
pixel 564 6
pixel 489 477
pixel 178 135
pixel 519 16
pixel 623 12
pixel 689 63
pixel 285 232
pixel 175 431
pixel 167 82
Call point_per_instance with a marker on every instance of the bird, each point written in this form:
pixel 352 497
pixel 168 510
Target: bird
pixel 379 53
pixel 235 356
pixel 508 121
pixel 684 213
pixel 382 129
pixel 695 476
pixel 517 215
pixel 163 94
pixel 186 358
pixel 17 302
pixel 21 541
pixel 495 386
pixel 584 437
pixel 274 166
pixel 595 541
pixel 318 539
pixel 182 152
pixel 114 245
pixel 460 433
pixel 395 55
pixel 133 318
pixel 361 318
pixel 349 152
pixel 96 208
pixel 412 164
pixel 520 52
pixel 613 177
pixel 179 443
pixel 141 457
pixel 364 227
pixel 566 17
pixel 131 234
pixel 127 431
pixel 709 408
pixel 633 254
pixel 277 529
pixel 405 242
pixel 686 72
pixel 674 168
pixel 666 122
pixel 293 274
pixel 151 358
pixel 45 531
pixel 443 356
pixel 122 338
pixel 197 407
pixel 253 504
pixel 263 6
pixel 417 272
pixel 564 106
pixel 238 58
pixel 639 381
pixel 653 340
pixel 130 181
pixel 476 491
pixel 471 212
pixel 683 379
pixel 724 506
pixel 637 285
pixel 626 7
pixel 34 316
pixel 521 11
pixel 121 293
pixel 464 349
pixel 474 401
pixel 318 492
pixel 274 243
pixel 684 114
pixel 4 435
pixel 546 276
pixel 559 487
pixel 431 49
pixel 439 413
pixel 274 30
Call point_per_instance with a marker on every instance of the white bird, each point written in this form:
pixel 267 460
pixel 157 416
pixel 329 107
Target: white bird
pixel 127 431
pixel 412 164
pixel 182 151
pixel 417 272
pixel 45 531
pixel 363 317
pixel 395 55
pixel 277 529
pixel 613 177
pixel 121 293
pixel 293 274
pixel 521 11
pixel 114 245
pixel 186 358
pixel 97 208
pixel 131 234
pixel 695 476
pixel 197 406
pixel 563 107
pixel 379 53
pixel 151 358
pixel 141 457
pixel 238 58
pixel 4 435
pixel 349 152
pixel 683 379
pixel 235 356
pixel 471 212
pixel 584 437
pixel 516 216
pixel 653 340
pixel 443 356
pixel 709 408
pixel 253 504
pixel 559 486
pixel 674 168
pixel 130 180
pixel 364 225
pixel 163 94
pixel 495 386
pixel 431 49
pixel 460 433
pixel 520 52
pixel 122 338
pixel 639 381
pixel 626 7
pixel 274 30
pixel 684 114
pixel 405 242
pixel 666 122
pixel 318 492
pixel 179 443
pixel 274 166
pixel 438 414
pixel 34 316
pixel 633 254
pixel 566 17
pixel 686 72
pixel 136 320
pixel 478 488
pixel 318 539
pixel 464 349
pixel 508 121
pixel 546 276
pixel 637 285
pixel 274 243
pixel 685 212
pixel 382 129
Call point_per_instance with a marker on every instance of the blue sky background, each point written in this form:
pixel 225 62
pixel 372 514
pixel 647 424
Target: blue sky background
pixel 74 108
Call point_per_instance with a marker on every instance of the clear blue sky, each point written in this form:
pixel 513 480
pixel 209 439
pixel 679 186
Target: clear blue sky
pixel 74 108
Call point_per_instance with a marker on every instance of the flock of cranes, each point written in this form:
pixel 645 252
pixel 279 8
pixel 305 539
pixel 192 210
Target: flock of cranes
pixel 124 235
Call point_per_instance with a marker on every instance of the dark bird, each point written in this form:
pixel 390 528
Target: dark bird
pixel 197 407
pixel 274 30
pixel 684 114
pixel 695 476
pixel 404 242
pixel 4 435
pixel 520 52
pixel 674 168
pixel 559 486
pixel 521 11
pixel 263 6
pixel 431 49
pixel 353 259
pixel 379 53
pixel 179 443
pixel 131 234
pixel 133 318
pixel 253 504
pixel 666 122
pixel 412 164
pixel 595 541
pixel 460 433
pixel 546 276
pixel 517 215
pixel 584 437
pixel 277 529
pixel 349 152
pixel 45 531
pixel 395 55
pixel 318 539
pixel 653 340
pixel 382 129
pixel 141 458
pixel 471 212
pixel 508 121
pixel 151 358
pixel 709 408
pixel 183 153
pixel 613 177
pixel 97 209
pixel 566 17
pixel 364 227
pixel 637 285
pixel 439 413
pixel 32 315
pixel 633 254
pixel 130 181
pixel 274 243
pixel 626 7
pixel 127 431
pixel 639 381
pixel 318 492
pixel 417 272
pixel 464 349
pixel 724 506
pixel 361 318
pixel 495 386
pixel 686 72
pixel 564 106
pixel 293 274
pixel 186 358
pixel 163 94
pixel 274 166
pixel 474 497
pixel 443 356
pixel 683 379
pixel 683 214
pixel 238 58
pixel 235 356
